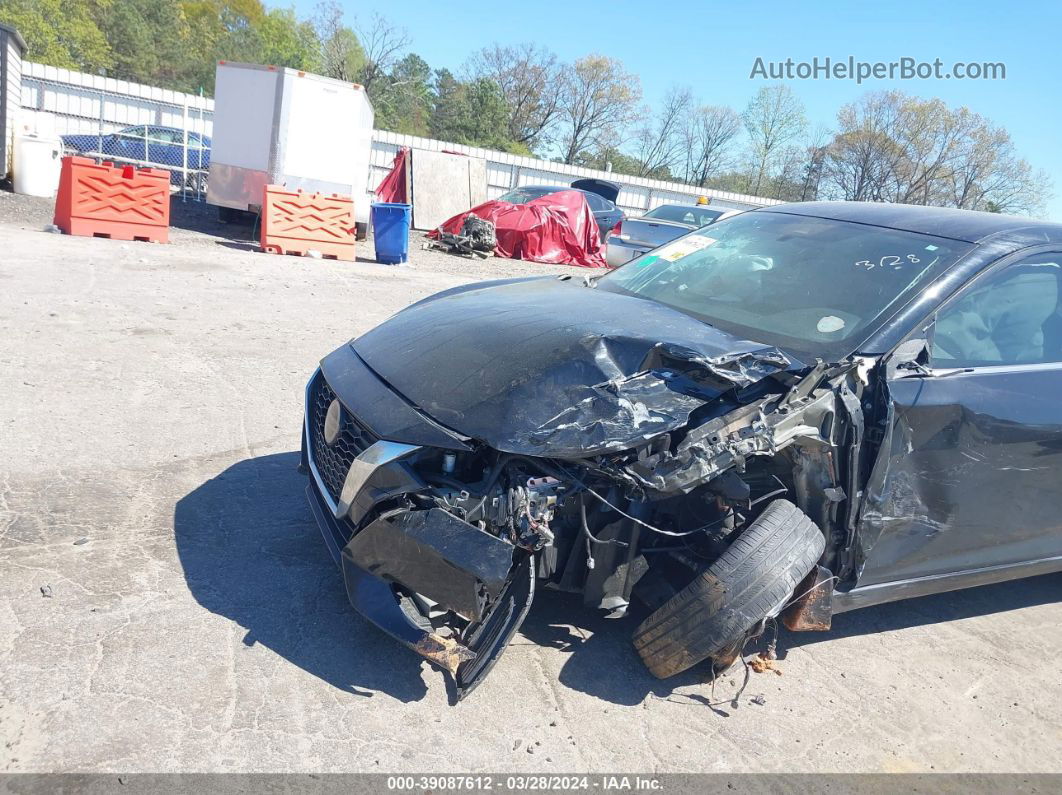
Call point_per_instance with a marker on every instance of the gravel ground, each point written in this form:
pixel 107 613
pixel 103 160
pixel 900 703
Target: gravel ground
pixel 195 224
pixel 167 604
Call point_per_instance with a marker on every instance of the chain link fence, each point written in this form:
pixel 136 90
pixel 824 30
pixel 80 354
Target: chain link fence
pixel 127 129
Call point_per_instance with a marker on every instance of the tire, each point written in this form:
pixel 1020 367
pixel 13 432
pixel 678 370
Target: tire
pixel 748 581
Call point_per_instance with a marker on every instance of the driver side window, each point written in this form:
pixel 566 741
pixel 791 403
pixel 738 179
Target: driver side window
pixel 133 133
pixel 1011 317
pixel 597 204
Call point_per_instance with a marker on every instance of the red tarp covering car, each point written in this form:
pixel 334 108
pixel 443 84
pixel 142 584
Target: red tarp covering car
pixel 558 229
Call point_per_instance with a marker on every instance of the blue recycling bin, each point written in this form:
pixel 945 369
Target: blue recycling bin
pixel 390 231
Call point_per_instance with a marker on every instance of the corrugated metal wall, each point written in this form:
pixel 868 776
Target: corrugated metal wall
pixel 81 100
pixel 506 171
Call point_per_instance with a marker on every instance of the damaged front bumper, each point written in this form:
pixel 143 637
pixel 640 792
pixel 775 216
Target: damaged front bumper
pixel 404 560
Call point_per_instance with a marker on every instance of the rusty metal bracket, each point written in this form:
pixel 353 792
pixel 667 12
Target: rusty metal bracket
pixel 813 609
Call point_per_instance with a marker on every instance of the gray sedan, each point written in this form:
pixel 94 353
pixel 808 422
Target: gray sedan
pixel 636 236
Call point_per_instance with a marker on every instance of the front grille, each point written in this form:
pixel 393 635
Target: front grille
pixel 332 461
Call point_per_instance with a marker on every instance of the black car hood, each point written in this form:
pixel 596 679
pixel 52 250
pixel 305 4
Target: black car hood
pixel 606 190
pixel 549 367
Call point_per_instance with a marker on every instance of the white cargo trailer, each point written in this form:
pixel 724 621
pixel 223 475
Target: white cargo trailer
pixel 277 126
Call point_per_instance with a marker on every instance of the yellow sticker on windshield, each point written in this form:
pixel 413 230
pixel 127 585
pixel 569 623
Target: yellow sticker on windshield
pixel 683 247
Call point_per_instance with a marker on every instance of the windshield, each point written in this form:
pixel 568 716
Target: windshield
pixel 523 195
pixel 815 286
pixel 694 216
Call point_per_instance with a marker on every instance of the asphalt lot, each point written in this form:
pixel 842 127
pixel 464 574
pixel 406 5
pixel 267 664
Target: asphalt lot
pixel 195 622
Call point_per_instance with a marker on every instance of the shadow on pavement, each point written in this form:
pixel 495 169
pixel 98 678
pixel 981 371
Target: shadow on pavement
pixel 602 661
pixel 927 610
pixel 198 216
pixel 251 552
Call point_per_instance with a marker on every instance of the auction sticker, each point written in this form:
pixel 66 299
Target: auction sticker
pixel 683 247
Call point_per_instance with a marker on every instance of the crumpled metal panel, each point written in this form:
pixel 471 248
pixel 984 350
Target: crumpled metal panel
pixel 639 406
pixel 725 442
pixel 966 477
pixel 548 367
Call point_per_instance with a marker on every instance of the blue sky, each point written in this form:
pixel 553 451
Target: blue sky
pixel 712 47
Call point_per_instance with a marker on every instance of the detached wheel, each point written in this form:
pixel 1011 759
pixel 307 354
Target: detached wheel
pixel 750 580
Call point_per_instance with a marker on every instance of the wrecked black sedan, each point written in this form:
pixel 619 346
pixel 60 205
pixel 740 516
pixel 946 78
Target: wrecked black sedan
pixel 791 413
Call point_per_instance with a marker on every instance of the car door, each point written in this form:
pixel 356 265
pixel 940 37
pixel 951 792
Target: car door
pixel 164 146
pixel 612 216
pixel 969 473
pixel 605 213
pixel 127 144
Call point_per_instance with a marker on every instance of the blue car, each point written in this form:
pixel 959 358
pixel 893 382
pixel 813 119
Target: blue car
pixel 149 145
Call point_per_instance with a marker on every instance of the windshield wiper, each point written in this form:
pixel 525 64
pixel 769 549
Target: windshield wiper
pixel 921 369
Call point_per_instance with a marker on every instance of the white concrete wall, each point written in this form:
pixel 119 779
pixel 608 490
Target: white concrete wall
pixel 80 100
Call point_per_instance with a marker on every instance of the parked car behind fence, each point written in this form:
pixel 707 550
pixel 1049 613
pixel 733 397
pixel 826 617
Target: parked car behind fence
pixel 151 146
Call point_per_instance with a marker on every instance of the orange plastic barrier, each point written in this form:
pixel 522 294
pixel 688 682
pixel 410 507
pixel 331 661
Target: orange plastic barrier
pixel 121 202
pixel 294 222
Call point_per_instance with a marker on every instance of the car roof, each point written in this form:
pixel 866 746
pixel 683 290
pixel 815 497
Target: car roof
pixel 690 207
pixel 163 127
pixel 548 189
pixel 966 225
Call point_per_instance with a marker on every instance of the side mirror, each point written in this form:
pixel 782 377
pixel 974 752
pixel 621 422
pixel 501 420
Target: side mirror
pixel 910 356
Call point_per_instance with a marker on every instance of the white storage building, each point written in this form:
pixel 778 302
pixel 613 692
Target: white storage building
pixel 12 48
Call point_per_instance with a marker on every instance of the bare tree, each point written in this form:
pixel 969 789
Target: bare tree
pixel 987 173
pixel 527 76
pixel 658 144
pixel 862 158
pixel 342 56
pixel 774 119
pixel 384 46
pixel 800 176
pixel 707 136
pixel 894 147
pixel 929 134
pixel 598 101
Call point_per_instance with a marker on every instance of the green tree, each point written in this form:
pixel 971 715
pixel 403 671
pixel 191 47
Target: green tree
pixel 284 40
pixel 472 113
pixel 447 103
pixel 61 33
pixel 218 30
pixel 528 77
pixel 149 41
pixel 403 99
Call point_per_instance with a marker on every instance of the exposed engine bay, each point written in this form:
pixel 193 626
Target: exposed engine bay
pixel 458 533
pixel 670 506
